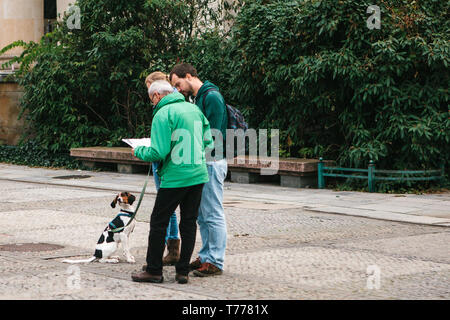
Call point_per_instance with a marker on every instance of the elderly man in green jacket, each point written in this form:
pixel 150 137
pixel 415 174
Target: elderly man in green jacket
pixel 179 135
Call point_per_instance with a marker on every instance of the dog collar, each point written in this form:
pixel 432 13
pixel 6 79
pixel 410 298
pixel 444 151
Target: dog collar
pixel 122 213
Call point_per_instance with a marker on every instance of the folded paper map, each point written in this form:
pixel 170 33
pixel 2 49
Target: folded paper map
pixel 137 142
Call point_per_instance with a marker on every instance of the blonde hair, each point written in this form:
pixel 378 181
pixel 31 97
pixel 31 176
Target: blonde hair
pixel 154 76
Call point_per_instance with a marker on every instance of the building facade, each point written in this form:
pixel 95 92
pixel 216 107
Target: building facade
pixel 26 20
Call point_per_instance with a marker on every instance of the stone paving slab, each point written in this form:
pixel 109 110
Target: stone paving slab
pixel 52 285
pixel 432 246
pixel 305 267
pixel 383 215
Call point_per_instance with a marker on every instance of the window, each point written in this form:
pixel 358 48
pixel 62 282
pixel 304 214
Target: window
pixel 49 9
pixel 49 15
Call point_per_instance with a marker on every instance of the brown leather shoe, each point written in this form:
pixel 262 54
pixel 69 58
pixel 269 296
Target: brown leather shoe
pixel 146 277
pixel 195 264
pixel 172 257
pixel 206 270
pixel 181 279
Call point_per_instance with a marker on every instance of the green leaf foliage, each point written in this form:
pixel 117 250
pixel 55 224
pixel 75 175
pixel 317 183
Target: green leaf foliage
pixel 314 70
pixel 85 87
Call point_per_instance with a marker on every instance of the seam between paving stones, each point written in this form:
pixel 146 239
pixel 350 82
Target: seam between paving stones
pixel 74 186
pixel 379 219
pixel 393 255
pixel 343 241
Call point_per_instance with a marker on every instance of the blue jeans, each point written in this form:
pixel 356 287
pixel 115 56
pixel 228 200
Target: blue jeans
pixel 172 229
pixel 211 216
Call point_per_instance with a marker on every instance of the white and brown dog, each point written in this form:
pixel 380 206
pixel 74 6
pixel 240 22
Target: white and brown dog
pixel 109 241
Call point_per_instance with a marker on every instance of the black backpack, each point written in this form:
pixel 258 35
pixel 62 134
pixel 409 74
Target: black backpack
pixel 235 118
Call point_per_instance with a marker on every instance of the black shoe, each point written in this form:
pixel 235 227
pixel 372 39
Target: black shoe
pixel 181 279
pixel 146 277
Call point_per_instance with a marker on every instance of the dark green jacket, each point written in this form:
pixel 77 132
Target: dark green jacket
pixel 213 107
pixel 180 133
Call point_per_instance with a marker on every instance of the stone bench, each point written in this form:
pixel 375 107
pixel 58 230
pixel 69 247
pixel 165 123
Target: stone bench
pixel 292 172
pixel 125 160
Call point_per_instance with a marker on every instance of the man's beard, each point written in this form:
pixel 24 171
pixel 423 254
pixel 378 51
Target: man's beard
pixel 188 93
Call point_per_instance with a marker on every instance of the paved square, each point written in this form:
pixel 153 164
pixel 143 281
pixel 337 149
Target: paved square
pixel 282 243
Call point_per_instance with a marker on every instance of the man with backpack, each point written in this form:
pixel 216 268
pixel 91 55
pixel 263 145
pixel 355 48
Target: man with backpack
pixel 211 218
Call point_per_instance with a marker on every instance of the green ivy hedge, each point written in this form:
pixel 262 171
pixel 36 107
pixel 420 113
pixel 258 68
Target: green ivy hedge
pixel 342 91
pixel 31 153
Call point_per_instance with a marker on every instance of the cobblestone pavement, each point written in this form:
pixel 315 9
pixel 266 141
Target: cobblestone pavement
pixel 275 251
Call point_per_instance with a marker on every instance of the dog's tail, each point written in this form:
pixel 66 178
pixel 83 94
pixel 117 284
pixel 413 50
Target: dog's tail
pixel 81 261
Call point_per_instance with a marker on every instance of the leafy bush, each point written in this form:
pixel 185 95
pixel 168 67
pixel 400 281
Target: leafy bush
pixel 86 86
pixel 31 153
pixel 314 70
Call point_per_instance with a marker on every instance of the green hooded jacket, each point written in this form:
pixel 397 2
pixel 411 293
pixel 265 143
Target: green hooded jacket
pixel 213 106
pixel 179 135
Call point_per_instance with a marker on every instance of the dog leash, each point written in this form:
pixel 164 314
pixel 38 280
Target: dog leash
pixel 138 204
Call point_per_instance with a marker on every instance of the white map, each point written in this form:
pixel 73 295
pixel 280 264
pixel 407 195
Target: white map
pixel 133 143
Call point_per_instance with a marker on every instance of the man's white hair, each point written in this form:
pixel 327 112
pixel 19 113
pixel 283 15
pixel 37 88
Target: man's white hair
pixel 161 86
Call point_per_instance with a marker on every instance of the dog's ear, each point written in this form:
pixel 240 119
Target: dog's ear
pixel 113 204
pixel 131 199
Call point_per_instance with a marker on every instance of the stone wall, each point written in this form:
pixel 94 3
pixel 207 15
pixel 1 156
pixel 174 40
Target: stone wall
pixel 62 6
pixel 10 127
pixel 20 20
